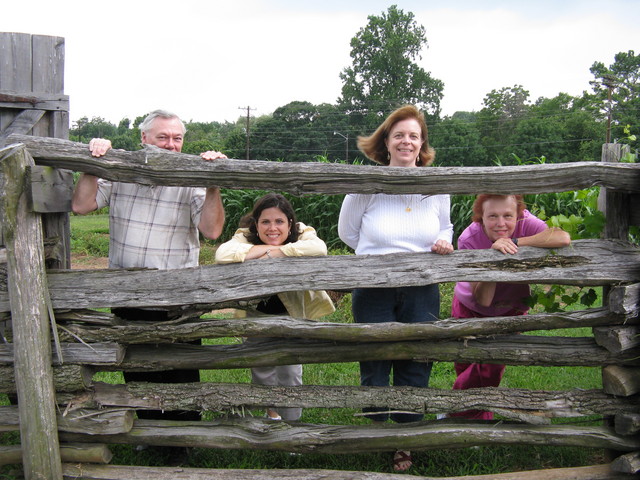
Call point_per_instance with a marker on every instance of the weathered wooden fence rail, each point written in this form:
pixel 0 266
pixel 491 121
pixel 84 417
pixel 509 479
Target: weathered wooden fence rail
pixel 103 342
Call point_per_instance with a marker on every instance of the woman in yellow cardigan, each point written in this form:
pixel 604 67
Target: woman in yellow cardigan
pixel 271 231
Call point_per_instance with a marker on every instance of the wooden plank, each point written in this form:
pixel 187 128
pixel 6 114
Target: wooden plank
pixel 34 100
pixel 288 327
pixel 628 463
pixel 300 437
pixel 120 472
pixel 48 61
pixel 22 123
pixel 624 299
pixel 51 189
pixel 221 397
pixel 105 422
pixel 585 262
pixel 619 380
pixel 66 378
pixel 507 349
pixel 30 321
pixel 155 166
pixel 15 68
pixel 617 339
pixel 627 423
pixel 76 353
pixel 70 452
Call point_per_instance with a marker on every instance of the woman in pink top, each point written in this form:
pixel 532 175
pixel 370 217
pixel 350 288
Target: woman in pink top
pixel 502 223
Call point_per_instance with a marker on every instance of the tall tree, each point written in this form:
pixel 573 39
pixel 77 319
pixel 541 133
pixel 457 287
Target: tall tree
pixel 384 73
pixel 623 77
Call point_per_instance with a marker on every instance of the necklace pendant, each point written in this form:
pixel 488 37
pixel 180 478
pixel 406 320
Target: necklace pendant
pixel 408 209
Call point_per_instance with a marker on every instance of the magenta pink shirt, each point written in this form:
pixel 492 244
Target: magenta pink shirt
pixel 509 296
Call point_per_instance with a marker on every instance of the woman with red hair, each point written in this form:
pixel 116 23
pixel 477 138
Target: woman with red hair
pixel 502 223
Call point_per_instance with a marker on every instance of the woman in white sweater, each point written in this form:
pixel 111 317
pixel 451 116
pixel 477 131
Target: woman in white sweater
pixel 382 224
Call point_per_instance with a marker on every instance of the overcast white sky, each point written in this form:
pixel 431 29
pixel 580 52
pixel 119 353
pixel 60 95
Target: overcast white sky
pixel 209 59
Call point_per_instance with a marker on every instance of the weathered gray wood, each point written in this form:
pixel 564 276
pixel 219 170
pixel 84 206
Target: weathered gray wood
pixel 302 438
pixel 66 378
pixel 615 205
pixel 585 262
pixel 226 397
pixel 628 463
pixel 288 327
pixel 625 298
pixel 76 353
pixel 627 423
pixel 619 380
pixel 30 322
pixel 51 189
pixel 617 339
pixel 154 166
pixel 70 452
pixel 105 422
pixel 34 101
pixel 119 472
pixel 22 123
pixel 510 350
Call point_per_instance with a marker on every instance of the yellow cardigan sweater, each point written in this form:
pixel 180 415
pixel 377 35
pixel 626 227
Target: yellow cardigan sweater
pixel 308 304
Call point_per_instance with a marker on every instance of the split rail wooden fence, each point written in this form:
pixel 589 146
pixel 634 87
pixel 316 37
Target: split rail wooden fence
pixel 60 340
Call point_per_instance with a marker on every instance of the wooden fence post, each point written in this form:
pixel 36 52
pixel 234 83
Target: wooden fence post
pixel 27 284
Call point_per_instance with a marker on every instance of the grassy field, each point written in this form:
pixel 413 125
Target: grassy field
pixel 90 237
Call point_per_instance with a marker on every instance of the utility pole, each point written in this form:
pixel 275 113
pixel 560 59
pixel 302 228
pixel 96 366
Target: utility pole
pixel 346 145
pixel 248 119
pixel 609 81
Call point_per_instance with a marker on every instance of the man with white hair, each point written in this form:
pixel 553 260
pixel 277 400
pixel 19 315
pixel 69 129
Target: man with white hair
pixel 154 227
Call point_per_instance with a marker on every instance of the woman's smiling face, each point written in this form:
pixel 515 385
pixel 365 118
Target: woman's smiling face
pixel 404 143
pixel 499 217
pixel 273 226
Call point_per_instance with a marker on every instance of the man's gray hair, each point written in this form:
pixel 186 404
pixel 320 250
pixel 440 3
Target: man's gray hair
pixel 147 123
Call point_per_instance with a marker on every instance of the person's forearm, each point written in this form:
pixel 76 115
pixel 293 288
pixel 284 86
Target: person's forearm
pixel 212 216
pixel 549 238
pixel 84 195
pixel 483 292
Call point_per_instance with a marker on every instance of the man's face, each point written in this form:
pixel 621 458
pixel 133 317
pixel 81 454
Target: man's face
pixel 165 133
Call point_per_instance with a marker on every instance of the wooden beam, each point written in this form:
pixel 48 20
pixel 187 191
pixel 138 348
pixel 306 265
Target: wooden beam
pixel 223 397
pixel 120 472
pixel 620 380
pixel 155 166
pixel 627 423
pixel 21 124
pixel 105 422
pixel 585 262
pixel 76 453
pixel 288 327
pixel 34 101
pixel 51 189
pixel 23 237
pixel 617 339
pixel 76 353
pixel 507 349
pixel 300 437
pixel 628 463
pixel 66 378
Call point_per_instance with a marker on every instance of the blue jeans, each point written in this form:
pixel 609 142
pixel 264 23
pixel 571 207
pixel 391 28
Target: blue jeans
pixel 405 305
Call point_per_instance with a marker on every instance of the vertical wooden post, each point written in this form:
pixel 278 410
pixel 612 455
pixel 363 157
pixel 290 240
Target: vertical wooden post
pixel 615 205
pixel 27 285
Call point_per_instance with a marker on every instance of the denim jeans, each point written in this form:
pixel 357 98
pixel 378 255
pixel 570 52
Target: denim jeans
pixel 405 305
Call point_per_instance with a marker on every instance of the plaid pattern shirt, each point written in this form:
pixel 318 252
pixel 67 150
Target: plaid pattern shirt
pixel 152 226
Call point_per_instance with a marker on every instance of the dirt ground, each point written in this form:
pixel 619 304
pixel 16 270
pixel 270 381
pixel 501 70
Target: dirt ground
pixel 86 262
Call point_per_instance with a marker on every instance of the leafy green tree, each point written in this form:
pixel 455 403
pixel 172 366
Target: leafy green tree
pixel 84 129
pixel 457 141
pixel 384 74
pixel 623 76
